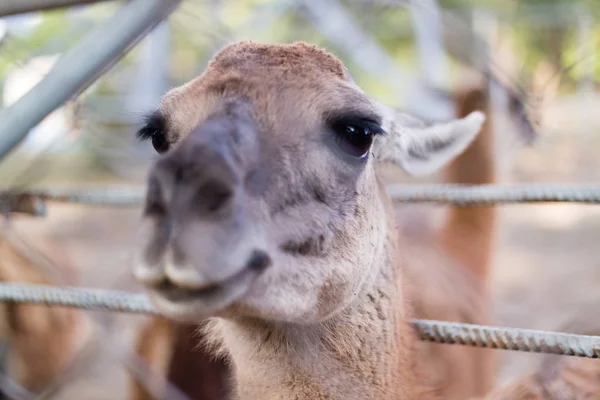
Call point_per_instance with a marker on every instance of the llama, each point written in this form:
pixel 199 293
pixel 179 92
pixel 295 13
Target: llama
pixel 288 288
pixel 266 215
pixel 457 372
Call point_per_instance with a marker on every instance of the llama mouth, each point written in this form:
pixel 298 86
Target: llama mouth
pixel 174 293
pixel 183 302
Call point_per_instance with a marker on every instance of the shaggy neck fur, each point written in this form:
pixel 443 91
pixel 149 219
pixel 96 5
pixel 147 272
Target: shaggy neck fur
pixel 364 352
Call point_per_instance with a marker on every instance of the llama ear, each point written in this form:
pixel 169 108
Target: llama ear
pixel 420 148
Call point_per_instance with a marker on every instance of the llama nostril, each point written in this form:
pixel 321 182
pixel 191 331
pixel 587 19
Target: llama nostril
pixel 259 261
pixel 214 195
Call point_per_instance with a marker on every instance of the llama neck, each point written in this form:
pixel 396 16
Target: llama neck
pixel 363 353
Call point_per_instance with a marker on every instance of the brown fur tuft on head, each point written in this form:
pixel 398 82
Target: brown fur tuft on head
pixel 287 59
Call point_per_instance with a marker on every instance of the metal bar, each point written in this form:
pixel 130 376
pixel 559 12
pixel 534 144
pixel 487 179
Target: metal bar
pixel 338 25
pixel 84 298
pixel 499 337
pixel 108 196
pixel 495 337
pixel 13 7
pixel 33 201
pixel 81 66
pixel 426 18
pixel 463 195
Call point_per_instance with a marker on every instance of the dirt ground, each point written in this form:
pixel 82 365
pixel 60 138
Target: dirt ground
pixel 546 273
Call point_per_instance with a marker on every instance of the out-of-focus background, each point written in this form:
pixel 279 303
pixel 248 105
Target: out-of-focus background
pixel 546 51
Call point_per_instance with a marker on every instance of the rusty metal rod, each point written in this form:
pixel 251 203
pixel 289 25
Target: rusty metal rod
pixel 495 337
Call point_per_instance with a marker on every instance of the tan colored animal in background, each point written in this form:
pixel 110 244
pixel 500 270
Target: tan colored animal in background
pixel 40 340
pixel 561 378
pixel 268 214
pixel 449 268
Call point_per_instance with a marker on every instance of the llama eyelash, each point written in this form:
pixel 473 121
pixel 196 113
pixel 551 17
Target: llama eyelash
pixel 154 124
pixel 360 122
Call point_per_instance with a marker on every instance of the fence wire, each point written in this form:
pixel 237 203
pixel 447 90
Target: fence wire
pixel 33 201
pixel 527 340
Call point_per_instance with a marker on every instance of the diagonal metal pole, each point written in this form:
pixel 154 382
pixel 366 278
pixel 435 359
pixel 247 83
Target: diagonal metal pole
pixel 78 68
pixel 338 25
pixel 12 7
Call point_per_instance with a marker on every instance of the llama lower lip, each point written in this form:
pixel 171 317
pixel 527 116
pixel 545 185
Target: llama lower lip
pixel 175 293
pixel 257 263
pixel 191 305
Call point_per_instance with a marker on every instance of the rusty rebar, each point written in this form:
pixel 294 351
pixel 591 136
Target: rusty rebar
pixel 495 337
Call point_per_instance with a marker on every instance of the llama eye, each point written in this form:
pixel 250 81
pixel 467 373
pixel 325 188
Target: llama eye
pixel 354 139
pixel 159 143
pixel 154 130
